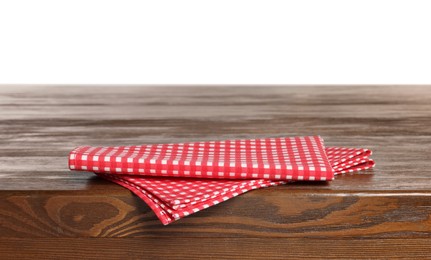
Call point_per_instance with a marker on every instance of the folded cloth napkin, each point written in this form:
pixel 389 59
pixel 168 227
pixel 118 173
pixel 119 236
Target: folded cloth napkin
pixel 176 180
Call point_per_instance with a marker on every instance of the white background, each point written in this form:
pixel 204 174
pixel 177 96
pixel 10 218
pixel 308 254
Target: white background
pixel 215 42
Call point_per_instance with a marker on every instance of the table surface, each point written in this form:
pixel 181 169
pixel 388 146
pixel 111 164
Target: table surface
pixel 376 211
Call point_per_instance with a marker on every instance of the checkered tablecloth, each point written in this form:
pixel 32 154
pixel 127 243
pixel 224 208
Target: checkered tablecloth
pixel 176 180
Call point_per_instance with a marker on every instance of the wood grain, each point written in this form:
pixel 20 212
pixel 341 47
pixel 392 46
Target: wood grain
pixel 279 213
pixel 214 248
pixel 40 198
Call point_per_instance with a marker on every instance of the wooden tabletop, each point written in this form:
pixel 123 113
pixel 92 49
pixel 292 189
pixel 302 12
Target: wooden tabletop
pixel 359 215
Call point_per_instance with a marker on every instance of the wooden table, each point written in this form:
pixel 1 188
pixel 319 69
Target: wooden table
pixel 48 211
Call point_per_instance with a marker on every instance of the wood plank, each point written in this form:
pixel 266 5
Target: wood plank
pixel 217 248
pixel 278 212
pixel 42 124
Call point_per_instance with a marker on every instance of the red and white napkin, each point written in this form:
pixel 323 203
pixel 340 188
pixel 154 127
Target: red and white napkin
pixel 176 180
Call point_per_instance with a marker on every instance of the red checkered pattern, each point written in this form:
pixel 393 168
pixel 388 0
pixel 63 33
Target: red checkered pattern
pixel 345 160
pixel 295 158
pixel 174 198
pixel 176 180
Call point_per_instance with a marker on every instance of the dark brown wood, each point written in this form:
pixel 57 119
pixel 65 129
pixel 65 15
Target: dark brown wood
pixel 378 210
pixel 214 248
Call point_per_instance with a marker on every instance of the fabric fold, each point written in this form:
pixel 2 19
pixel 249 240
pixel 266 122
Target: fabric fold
pixel 176 180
